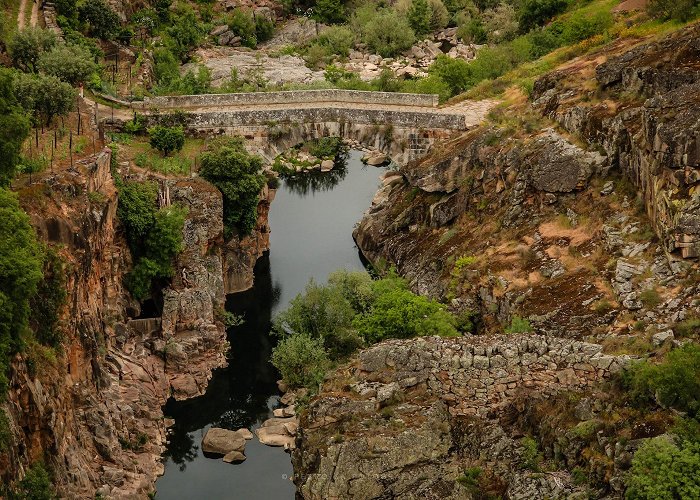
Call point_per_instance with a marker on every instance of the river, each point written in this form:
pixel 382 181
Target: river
pixel 311 222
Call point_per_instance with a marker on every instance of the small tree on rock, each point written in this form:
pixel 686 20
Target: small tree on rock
pixel 166 139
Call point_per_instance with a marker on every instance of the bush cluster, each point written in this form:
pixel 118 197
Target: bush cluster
pixel 154 235
pixel 21 262
pixel 237 174
pixel 332 321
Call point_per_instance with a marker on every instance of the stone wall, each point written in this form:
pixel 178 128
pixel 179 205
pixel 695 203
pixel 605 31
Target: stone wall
pixel 293 97
pixel 477 375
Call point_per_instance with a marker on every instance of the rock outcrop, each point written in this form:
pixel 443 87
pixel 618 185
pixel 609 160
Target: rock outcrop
pixel 95 413
pixel 417 396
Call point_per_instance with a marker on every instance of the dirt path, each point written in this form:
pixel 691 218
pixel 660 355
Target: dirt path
pixel 21 14
pixel 35 14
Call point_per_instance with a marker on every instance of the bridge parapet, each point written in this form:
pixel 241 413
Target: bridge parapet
pixel 293 97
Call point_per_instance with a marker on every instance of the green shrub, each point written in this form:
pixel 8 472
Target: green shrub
pixel 136 125
pixel 530 455
pixel 454 72
pixel 396 312
pixel 419 17
pixel 161 245
pixel 518 325
pixel 387 33
pixel 73 37
pixel 36 485
pixel 136 211
pixel 327 147
pixel 20 273
pixel 470 478
pixel 330 11
pixel 431 84
pixel 662 469
pixel 27 45
pixel 102 20
pixel 682 10
pixel 14 127
pixel 238 176
pixel 264 29
pixel 242 24
pixel 48 300
pixel 687 328
pixel 533 13
pixel 337 40
pixel 583 25
pixel 166 139
pixel 673 383
pixel 650 298
pixel 154 235
pixel 301 360
pixel 71 63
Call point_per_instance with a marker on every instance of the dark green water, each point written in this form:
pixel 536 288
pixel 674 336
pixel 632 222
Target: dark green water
pixel 311 223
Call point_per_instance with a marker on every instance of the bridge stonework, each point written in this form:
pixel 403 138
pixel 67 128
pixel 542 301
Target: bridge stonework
pixel 404 126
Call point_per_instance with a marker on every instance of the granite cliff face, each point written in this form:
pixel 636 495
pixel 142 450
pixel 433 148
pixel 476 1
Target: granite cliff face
pixel 573 214
pixel 95 413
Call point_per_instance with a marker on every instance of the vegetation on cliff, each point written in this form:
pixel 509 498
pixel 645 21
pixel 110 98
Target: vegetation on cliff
pixel 237 174
pixel 20 272
pixel 327 323
pixel 154 235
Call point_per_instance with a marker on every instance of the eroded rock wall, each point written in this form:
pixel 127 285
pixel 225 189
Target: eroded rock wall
pixel 94 414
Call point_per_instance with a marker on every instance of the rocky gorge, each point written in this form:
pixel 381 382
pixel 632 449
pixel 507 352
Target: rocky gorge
pixel 557 228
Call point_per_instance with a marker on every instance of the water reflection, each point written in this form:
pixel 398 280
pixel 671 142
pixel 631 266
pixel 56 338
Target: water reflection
pixel 305 183
pixel 311 236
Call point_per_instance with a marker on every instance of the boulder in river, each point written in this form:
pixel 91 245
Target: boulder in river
pixel 234 457
pixel 222 441
pixel 375 158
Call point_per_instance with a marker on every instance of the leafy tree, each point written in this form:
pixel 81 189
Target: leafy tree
pixel 70 63
pixel 46 304
pixel 663 470
pixel 673 383
pixel 73 37
pixel 680 10
pixel 439 16
pixel 67 8
pixel 36 485
pixel 535 13
pixel 322 312
pixel 238 176
pixel 419 17
pixel 398 313
pixel 454 72
pixel 154 235
pixel 20 272
pixel 337 39
pixel 185 33
pixel 387 33
pixel 242 24
pixel 166 139
pixel 471 28
pixel 45 96
pixel 500 23
pixel 137 211
pixel 28 44
pixel 103 21
pixel 301 360
pixel 264 28
pixel 14 127
pixel 330 11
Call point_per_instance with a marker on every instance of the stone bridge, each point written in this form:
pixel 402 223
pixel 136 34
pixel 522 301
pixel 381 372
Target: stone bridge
pixel 401 125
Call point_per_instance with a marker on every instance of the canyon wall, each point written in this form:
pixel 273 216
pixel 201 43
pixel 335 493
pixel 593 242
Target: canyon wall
pixel 94 412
